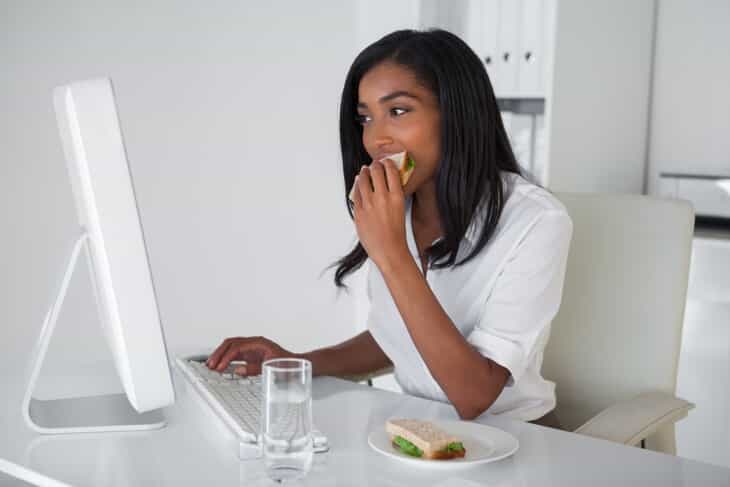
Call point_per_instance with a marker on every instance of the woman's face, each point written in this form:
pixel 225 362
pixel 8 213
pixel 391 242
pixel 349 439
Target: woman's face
pixel 397 114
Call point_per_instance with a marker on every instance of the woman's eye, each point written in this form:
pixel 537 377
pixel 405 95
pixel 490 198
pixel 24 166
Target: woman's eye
pixel 362 119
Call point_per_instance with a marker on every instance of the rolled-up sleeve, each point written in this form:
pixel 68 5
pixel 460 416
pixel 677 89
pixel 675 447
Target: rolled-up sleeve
pixel 526 295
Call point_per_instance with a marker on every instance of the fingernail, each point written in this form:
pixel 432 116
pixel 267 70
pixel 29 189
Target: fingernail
pixel 240 370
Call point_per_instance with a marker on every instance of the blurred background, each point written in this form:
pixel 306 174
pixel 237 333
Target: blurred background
pixel 230 117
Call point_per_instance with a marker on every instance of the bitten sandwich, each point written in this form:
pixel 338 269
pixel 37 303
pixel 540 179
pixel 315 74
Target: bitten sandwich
pixel 422 439
pixel 405 164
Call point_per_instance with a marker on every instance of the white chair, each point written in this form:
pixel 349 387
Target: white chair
pixel 614 345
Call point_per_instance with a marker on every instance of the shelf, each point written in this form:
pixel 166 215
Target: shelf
pixel 522 106
pixel 711 177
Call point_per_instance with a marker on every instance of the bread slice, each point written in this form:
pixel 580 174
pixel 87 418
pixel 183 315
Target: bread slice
pixel 405 164
pixel 424 435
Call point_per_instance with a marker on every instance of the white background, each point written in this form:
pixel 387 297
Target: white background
pixel 230 117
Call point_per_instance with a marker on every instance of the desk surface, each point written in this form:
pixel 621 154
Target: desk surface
pixel 195 449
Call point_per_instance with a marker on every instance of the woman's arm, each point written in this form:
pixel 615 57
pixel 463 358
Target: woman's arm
pixel 471 381
pixel 358 355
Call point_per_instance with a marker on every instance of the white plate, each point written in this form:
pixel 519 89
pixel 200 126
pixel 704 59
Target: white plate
pixel 483 444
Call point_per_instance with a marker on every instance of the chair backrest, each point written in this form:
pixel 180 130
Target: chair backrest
pixel 619 328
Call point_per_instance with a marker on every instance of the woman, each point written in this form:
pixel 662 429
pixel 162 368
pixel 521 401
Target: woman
pixel 467 260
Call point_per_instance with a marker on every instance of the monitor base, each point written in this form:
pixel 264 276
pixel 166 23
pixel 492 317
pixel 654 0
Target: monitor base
pixel 86 414
pixel 91 414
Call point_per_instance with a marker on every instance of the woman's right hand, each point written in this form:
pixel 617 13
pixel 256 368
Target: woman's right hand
pixel 253 350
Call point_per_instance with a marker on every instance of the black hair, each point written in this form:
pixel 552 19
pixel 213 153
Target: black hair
pixel 474 144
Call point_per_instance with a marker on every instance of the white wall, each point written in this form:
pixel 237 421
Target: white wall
pixel 690 119
pixel 597 110
pixel 376 18
pixel 230 117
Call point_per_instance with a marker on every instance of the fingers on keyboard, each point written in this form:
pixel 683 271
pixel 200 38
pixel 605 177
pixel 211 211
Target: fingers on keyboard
pixel 213 360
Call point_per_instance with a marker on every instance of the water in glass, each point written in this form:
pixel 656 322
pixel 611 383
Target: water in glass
pixel 287 418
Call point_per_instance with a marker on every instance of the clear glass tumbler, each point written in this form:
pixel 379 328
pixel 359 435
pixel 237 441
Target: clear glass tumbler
pixel 287 418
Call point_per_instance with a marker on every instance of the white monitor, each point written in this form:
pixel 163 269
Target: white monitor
pixel 111 233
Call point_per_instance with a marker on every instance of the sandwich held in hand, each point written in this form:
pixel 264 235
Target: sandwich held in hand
pixel 422 439
pixel 405 164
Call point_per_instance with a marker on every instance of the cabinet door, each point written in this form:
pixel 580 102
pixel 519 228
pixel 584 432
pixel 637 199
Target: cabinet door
pixel 508 43
pixel 489 48
pixel 473 26
pixel 531 54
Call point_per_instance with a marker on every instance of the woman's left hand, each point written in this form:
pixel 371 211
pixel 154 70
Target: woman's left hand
pixel 380 213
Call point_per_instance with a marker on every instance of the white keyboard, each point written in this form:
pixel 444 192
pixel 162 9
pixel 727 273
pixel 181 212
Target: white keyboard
pixel 235 400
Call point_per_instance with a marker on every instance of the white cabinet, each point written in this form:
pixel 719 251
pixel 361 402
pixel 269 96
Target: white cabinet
pixel 485 39
pixel 690 110
pixel 508 46
pixel 534 45
pixel 511 37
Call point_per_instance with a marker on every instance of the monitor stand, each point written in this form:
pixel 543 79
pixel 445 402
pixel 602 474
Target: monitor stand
pixel 84 414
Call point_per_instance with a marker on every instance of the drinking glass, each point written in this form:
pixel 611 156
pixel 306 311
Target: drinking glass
pixel 287 418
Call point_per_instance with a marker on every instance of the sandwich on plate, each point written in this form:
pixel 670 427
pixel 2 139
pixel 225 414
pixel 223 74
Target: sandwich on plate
pixel 405 164
pixel 422 439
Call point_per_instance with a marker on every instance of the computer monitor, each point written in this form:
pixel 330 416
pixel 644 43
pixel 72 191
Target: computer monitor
pixel 111 233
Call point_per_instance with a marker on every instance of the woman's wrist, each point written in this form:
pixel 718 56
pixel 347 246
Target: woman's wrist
pixel 315 357
pixel 396 262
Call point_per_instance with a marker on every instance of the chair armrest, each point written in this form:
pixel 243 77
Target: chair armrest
pixel 367 375
pixel 633 420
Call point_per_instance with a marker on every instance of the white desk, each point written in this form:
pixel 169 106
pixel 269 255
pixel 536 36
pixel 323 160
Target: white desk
pixel 194 449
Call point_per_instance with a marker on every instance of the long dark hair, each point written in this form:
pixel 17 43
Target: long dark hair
pixel 474 144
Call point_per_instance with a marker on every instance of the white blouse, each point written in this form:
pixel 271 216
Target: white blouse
pixel 502 301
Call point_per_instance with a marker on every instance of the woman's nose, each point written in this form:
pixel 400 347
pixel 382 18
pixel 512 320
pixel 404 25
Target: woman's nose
pixel 377 137
pixel 381 138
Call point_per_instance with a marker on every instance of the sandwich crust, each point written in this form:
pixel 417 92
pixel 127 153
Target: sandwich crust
pixel 404 171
